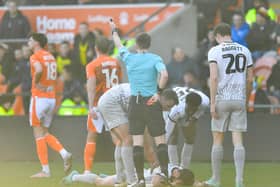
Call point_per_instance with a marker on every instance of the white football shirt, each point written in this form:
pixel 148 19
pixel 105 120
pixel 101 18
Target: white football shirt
pixel 178 111
pixel 232 60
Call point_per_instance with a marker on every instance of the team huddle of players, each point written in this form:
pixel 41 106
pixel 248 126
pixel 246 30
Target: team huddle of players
pixel 109 106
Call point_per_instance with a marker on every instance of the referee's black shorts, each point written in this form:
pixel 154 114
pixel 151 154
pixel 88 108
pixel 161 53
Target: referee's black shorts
pixel 141 115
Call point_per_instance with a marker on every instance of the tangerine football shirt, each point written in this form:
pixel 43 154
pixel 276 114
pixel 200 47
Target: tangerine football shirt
pixel 107 72
pixel 49 74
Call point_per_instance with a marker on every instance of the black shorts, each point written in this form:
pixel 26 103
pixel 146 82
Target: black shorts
pixel 141 115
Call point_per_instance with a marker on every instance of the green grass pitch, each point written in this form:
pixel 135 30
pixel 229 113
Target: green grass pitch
pixel 16 174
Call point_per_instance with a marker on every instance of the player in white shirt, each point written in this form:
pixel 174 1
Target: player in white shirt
pixel 113 105
pixel 230 81
pixel 183 117
pixel 153 178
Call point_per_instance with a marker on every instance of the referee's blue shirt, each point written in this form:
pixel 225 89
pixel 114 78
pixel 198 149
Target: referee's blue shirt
pixel 142 70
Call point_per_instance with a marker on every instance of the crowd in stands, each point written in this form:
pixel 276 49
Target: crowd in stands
pixel 255 27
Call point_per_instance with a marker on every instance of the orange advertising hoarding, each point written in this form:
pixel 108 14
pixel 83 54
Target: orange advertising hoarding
pixel 61 22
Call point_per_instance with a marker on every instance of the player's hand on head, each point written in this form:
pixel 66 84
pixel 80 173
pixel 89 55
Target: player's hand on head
pixel 213 111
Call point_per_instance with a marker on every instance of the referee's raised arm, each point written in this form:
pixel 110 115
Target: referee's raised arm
pixel 115 35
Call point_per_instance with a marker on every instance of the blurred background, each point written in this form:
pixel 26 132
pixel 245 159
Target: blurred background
pixel 182 33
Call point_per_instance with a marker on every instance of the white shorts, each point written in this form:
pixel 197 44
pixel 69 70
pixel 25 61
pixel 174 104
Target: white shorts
pixel 112 112
pixel 95 125
pixel 41 111
pixel 232 116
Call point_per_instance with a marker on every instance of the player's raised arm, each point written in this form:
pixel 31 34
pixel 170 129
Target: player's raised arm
pixel 115 35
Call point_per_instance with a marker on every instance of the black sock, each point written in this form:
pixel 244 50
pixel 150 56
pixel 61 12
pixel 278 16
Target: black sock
pixel 162 153
pixel 138 158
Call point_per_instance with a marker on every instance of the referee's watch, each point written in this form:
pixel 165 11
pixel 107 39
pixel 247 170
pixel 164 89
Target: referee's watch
pixel 114 30
pixel 159 90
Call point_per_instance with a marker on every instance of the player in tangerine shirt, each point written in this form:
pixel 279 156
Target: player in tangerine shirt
pixel 102 73
pixel 43 72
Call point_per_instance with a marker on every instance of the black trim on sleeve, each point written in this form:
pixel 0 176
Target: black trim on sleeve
pixel 249 66
pixel 171 119
pixel 212 61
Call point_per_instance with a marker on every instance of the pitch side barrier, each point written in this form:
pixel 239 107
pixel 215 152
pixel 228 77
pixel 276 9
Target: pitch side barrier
pixel 17 142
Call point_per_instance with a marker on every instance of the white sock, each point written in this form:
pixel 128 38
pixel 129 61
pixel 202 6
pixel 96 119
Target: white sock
pixel 216 162
pixel 119 167
pixel 63 153
pixel 186 155
pixel 239 162
pixel 173 155
pixel 46 169
pixel 85 178
pixel 127 156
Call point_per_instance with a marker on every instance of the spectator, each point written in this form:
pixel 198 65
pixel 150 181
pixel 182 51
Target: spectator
pixel 179 64
pixel 207 11
pixel 25 79
pixel 273 82
pixel 98 32
pixel 64 56
pixel 228 7
pixel 259 38
pixel 260 5
pixel 13 23
pixel 83 52
pixel 258 96
pixel 73 106
pixel 52 49
pixel 6 103
pixel 6 61
pixel 276 37
pixel 15 77
pixel 200 58
pixel 239 29
pixel 190 80
pixel 70 83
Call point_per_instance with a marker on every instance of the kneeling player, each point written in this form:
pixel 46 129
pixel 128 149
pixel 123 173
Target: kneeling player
pixel 184 116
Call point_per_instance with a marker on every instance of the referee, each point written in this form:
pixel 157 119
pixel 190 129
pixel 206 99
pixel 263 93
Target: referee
pixel 143 69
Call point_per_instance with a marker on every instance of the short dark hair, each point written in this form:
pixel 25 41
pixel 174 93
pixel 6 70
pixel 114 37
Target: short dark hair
pixel 143 40
pixel 239 13
pixel 69 69
pixel 102 44
pixel 223 29
pixel 84 23
pixel 193 100
pixel 170 94
pixel 40 38
pixel 7 98
pixel 65 42
pixel 186 176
